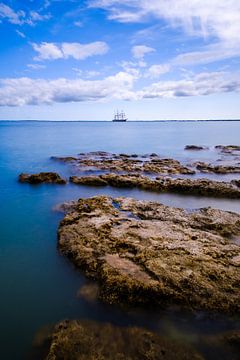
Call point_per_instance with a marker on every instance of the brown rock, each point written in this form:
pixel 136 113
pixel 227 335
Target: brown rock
pixel 195 147
pixel 200 187
pixel 88 340
pixel 144 252
pixel 42 177
pixel 217 169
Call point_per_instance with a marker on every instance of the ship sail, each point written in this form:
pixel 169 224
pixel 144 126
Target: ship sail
pixel 119 116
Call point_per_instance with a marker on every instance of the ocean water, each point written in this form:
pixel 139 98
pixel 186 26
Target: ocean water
pixel 38 286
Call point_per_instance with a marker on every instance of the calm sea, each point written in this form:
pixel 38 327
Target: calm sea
pixel 38 286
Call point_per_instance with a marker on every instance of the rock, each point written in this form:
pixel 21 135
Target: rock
pixel 143 252
pixel 228 148
pixel 236 182
pixel 42 177
pixel 227 344
pixel 65 207
pixel 89 292
pixel 127 163
pixel 218 169
pixel 200 187
pixel 89 180
pixel 64 158
pixel 195 147
pixel 85 340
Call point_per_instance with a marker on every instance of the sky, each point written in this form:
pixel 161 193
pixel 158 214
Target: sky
pixel 155 59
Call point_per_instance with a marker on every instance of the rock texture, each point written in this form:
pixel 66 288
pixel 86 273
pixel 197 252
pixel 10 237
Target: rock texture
pixel 200 187
pixel 149 163
pixel 88 340
pixel 195 147
pixel 227 148
pixel 42 177
pixel 217 169
pixel 144 252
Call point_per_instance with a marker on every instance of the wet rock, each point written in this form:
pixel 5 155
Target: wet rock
pixel 89 180
pixel 236 182
pixel 228 148
pixel 42 177
pixel 166 166
pixel 65 207
pixel 217 169
pixel 144 252
pixel 200 187
pixel 89 292
pixel 64 158
pixel 195 147
pixel 227 344
pixel 128 163
pixel 85 340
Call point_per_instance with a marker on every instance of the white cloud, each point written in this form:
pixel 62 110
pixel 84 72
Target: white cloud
pixel 20 17
pixel 82 51
pixel 139 51
pixel 157 70
pixel 10 15
pixel 35 16
pixel 21 34
pixel 201 84
pixel 27 91
pixel 78 23
pixel 51 51
pixel 47 51
pixel 197 17
pixel 36 66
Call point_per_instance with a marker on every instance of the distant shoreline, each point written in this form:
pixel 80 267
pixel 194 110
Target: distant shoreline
pixel 129 121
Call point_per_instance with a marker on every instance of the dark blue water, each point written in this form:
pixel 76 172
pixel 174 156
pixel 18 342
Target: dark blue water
pixel 38 286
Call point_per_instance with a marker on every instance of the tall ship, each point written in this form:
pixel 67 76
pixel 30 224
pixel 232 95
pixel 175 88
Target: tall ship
pixel 119 116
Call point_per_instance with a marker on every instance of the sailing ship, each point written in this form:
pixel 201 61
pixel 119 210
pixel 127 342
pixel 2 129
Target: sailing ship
pixel 119 116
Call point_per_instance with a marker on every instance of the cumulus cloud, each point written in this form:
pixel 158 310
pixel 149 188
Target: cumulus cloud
pixel 21 17
pixel 157 70
pixel 51 51
pixel 201 84
pixel 139 51
pixel 27 91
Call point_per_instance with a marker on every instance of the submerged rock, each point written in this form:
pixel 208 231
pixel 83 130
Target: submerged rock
pixel 144 252
pixel 195 147
pixel 200 187
pixel 89 340
pixel 42 177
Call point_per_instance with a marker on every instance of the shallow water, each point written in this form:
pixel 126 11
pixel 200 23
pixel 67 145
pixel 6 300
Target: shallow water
pixel 38 286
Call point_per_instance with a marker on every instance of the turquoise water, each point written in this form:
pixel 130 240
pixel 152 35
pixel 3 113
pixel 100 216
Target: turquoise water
pixel 38 286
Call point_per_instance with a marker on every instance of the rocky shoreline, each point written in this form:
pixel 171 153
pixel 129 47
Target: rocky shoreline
pixel 142 253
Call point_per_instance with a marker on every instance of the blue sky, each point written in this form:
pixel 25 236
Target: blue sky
pixel 158 59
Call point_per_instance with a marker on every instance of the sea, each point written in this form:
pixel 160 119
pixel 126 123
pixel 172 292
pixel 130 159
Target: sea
pixel 38 286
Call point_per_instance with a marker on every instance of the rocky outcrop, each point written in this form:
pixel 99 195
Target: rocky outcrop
pixel 201 187
pixel 89 340
pixel 144 252
pixel 217 169
pixel 42 177
pixel 227 148
pixel 195 147
pixel 150 163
